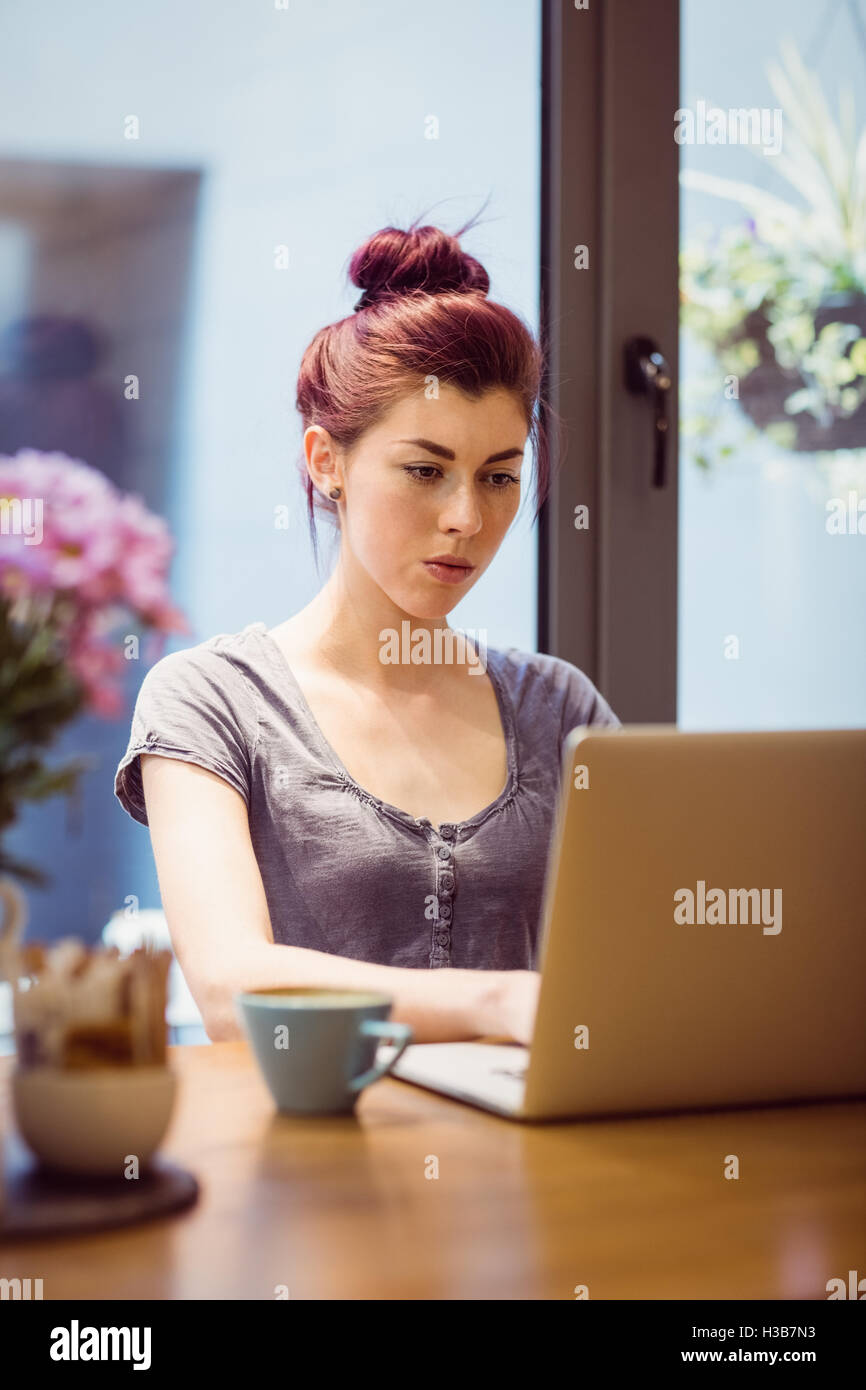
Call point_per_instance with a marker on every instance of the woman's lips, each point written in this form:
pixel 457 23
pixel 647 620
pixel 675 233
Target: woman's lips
pixel 448 573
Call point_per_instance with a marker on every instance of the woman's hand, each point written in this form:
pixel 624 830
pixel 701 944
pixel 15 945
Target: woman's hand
pixel 518 1004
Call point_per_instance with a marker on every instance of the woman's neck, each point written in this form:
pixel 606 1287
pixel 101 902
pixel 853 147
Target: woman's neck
pixel 357 632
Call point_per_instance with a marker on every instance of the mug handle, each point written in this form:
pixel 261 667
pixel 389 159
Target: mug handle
pixel 399 1033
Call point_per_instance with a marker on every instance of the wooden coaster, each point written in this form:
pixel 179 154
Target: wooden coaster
pixel 39 1202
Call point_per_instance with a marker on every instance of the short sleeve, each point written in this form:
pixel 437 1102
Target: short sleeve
pixel 573 698
pixel 195 706
pixel 583 703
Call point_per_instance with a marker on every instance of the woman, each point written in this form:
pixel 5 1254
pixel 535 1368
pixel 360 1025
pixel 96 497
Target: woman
pixel 333 801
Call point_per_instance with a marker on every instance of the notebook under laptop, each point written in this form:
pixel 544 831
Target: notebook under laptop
pixel 703 933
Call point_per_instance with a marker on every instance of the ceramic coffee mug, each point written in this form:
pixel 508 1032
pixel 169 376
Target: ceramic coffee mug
pixel 317 1048
pixel 91 1121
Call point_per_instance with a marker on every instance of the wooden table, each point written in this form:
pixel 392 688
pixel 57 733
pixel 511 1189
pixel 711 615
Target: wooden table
pixel 342 1208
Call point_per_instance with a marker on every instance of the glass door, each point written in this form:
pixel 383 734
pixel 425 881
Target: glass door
pixel 772 383
pixel 704 197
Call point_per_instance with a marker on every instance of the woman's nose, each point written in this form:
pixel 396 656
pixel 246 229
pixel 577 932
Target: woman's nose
pixel 462 512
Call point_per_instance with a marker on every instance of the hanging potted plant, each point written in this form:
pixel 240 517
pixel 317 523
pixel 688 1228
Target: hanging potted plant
pixel 77 558
pixel 780 298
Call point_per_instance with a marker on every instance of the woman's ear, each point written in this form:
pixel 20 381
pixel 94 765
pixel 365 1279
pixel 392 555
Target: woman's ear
pixel 323 463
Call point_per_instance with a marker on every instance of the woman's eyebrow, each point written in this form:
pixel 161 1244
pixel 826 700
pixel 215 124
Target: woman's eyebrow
pixel 444 453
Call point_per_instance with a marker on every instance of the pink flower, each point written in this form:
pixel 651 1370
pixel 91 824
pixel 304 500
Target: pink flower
pixel 71 539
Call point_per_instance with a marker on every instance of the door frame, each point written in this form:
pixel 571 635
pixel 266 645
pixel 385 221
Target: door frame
pixel 607 594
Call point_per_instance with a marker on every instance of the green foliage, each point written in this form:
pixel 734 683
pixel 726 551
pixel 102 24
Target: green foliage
pixel 38 696
pixel 774 271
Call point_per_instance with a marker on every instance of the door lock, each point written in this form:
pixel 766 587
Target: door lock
pixel 648 374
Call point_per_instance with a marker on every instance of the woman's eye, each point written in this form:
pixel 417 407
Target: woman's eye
pixel 428 473
pixel 416 470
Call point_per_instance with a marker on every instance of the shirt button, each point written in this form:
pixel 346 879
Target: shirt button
pixel 444 851
pixel 443 938
pixel 446 831
pixel 445 911
pixel 446 883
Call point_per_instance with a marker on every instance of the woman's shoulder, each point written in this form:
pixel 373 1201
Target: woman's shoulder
pixel 193 705
pixel 210 672
pixel 535 678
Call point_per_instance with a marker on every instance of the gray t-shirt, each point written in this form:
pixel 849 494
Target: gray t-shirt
pixel 343 871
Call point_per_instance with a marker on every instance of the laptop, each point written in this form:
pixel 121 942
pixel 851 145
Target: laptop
pixel 703 931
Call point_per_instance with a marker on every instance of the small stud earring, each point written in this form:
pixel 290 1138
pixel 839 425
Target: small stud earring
pixel 335 493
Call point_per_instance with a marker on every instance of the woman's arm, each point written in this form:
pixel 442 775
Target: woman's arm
pixel 217 913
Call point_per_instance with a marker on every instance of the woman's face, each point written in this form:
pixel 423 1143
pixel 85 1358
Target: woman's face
pixel 434 478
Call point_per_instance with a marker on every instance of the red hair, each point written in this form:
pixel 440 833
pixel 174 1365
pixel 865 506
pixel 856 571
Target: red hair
pixel 424 312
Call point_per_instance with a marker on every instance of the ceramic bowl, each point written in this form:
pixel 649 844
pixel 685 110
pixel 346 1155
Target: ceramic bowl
pixel 91 1121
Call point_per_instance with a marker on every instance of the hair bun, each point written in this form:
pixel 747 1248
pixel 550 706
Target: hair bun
pixel 425 259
